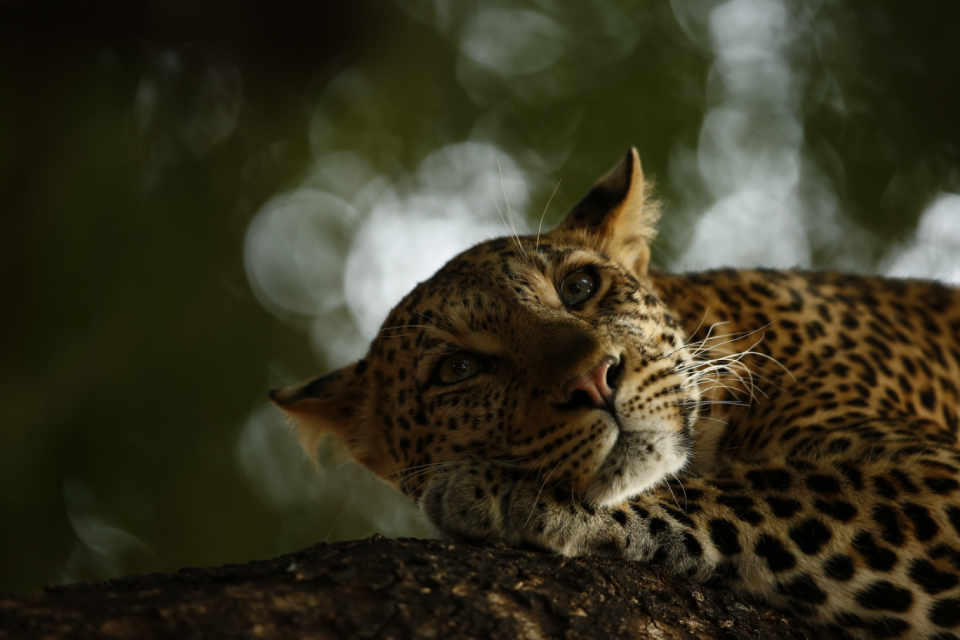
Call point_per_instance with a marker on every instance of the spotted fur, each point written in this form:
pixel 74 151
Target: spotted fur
pixel 789 434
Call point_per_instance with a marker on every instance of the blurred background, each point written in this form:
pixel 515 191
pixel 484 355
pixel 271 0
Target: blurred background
pixel 200 201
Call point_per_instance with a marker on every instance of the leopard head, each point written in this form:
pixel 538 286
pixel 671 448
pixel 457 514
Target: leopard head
pixel 552 354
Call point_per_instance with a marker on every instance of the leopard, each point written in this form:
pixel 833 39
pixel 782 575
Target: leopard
pixel 787 434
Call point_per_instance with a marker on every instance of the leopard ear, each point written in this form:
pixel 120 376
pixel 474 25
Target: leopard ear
pixel 335 404
pixel 618 215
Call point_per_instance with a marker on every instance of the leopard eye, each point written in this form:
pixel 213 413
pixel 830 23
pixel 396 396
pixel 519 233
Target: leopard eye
pixel 457 367
pixel 577 287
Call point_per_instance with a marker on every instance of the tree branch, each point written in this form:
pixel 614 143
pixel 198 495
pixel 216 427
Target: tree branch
pixel 405 588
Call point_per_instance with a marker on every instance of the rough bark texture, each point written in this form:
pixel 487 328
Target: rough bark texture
pixel 405 588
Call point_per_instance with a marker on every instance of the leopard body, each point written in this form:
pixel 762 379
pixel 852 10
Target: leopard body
pixel 788 434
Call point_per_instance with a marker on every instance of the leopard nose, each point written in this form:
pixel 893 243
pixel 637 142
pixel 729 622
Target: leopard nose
pixel 594 383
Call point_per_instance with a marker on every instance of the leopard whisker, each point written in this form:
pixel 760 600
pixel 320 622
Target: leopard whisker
pixel 497 205
pixel 715 419
pixel 682 488
pixel 707 430
pixel 435 319
pixel 402 326
pixel 733 391
pixel 509 462
pixel 515 237
pixel 355 497
pixel 713 374
pixel 533 508
pixel 415 473
pixel 706 383
pixel 677 502
pixel 730 365
pixel 690 337
pixel 732 337
pixel 543 215
pixel 510 213
pixel 379 524
pixel 734 363
pixel 726 402
pixel 426 467
pixel 339 517
pixel 702 345
pixel 774 361
pixel 535 466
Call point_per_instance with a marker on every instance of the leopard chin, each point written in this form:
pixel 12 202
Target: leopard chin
pixel 638 461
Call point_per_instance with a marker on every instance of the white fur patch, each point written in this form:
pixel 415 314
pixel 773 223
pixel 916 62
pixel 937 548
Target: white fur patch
pixel 638 461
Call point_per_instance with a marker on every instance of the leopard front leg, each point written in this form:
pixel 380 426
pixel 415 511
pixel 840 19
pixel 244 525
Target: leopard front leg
pixel 481 500
pixel 859 530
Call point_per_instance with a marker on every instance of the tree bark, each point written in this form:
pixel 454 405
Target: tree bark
pixel 380 588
